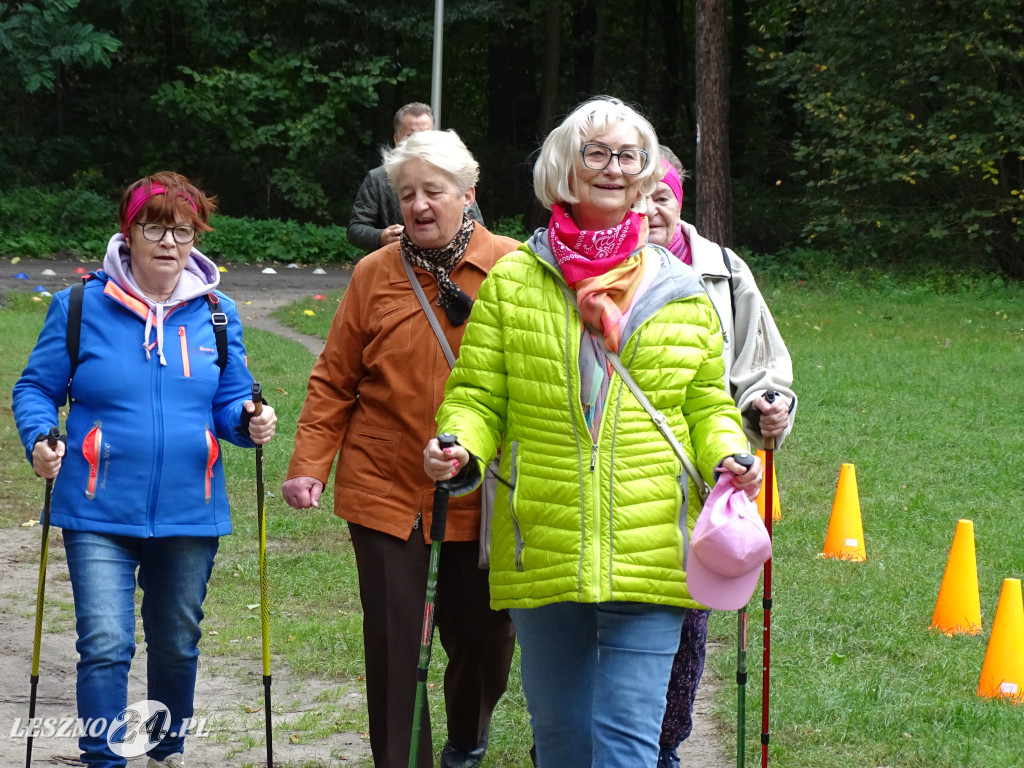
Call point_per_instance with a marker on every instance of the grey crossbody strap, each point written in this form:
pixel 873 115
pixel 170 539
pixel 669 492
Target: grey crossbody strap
pixel 445 346
pixel 703 489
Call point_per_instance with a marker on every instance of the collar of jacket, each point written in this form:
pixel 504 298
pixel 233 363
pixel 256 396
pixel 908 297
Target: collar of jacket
pixel 706 255
pixel 137 306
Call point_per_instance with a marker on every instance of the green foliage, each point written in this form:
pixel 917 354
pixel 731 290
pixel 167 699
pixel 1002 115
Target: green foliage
pixel 883 130
pixel 257 240
pixel 281 113
pixel 909 119
pixel 40 222
pixel 37 41
pixel 510 226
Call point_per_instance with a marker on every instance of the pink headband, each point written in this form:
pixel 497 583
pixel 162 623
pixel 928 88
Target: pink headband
pixel 671 178
pixel 141 196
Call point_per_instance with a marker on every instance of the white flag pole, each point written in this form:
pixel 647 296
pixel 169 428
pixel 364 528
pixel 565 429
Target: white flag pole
pixel 435 88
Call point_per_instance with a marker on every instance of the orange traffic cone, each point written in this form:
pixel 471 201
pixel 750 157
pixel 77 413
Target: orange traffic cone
pixel 1002 673
pixel 845 537
pixel 776 507
pixel 958 609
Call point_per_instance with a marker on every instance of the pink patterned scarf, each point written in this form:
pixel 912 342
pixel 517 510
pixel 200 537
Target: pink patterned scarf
pixel 603 267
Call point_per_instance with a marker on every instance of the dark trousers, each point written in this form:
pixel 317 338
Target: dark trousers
pixel 479 642
pixel 687 668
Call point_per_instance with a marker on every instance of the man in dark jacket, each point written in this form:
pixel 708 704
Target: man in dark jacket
pixel 376 218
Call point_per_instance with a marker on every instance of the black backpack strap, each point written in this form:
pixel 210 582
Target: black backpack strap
pixel 732 294
pixel 74 331
pixel 220 329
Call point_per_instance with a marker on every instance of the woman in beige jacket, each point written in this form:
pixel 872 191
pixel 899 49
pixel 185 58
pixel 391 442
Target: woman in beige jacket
pixel 756 361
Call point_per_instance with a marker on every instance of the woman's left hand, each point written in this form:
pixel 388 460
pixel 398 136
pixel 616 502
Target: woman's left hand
pixel 263 426
pixel 746 479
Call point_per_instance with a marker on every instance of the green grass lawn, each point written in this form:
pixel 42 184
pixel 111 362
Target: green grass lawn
pixel 918 390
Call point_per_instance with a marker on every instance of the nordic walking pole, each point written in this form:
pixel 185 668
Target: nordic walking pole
pixel 257 400
pixel 438 520
pixel 51 440
pixel 766 602
pixel 741 682
pixel 741 666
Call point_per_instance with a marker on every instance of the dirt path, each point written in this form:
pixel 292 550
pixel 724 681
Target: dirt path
pixel 230 699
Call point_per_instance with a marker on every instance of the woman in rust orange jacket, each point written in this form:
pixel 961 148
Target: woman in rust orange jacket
pixel 371 402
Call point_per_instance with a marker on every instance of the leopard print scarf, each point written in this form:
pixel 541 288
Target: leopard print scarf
pixel 441 261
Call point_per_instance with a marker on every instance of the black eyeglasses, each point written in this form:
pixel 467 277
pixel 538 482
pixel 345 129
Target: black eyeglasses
pixel 597 157
pixel 181 233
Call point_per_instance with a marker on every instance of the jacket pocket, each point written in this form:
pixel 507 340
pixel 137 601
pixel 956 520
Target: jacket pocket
pixel 91 452
pixel 212 452
pixel 369 461
pixel 684 517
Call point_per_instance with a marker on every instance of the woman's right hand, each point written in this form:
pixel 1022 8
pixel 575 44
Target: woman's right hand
pixel 302 492
pixel 443 465
pixel 46 460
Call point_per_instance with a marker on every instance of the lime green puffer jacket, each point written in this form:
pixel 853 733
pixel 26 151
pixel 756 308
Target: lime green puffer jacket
pixel 585 521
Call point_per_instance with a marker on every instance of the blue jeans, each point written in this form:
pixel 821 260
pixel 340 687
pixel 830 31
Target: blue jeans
pixel 595 677
pixel 172 573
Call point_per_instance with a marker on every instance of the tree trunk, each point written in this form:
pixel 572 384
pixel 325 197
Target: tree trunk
pixel 511 122
pixel 552 64
pixel 714 199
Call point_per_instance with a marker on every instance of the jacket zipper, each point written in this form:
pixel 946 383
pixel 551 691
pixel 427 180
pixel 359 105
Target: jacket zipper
pixel 183 339
pixel 571 363
pixel 212 452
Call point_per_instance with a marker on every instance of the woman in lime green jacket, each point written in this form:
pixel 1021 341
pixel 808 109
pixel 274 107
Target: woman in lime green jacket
pixel 589 538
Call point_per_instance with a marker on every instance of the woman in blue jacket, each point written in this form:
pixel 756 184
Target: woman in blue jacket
pixel 161 376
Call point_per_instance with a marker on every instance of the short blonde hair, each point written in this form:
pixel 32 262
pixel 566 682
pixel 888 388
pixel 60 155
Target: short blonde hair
pixel 443 149
pixel 554 173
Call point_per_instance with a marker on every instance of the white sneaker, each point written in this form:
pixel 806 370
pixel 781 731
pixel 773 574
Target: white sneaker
pixel 177 760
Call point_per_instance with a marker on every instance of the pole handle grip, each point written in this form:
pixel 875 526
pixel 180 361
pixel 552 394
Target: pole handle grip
pixel 53 437
pixel 439 516
pixel 743 459
pixel 769 442
pixel 257 398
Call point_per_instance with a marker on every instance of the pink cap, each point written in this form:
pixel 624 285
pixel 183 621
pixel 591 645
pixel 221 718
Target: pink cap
pixel 729 546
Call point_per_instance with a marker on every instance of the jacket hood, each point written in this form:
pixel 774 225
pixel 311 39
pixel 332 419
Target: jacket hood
pixel 199 277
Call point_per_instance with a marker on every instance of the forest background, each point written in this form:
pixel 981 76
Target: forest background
pixel 883 132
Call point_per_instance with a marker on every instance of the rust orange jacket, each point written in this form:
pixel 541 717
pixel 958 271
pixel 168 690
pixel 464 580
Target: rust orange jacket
pixel 374 390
